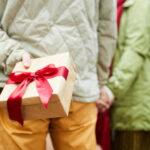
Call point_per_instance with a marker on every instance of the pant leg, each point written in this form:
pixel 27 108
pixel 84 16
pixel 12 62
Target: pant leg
pixel 1 139
pixel 77 131
pixel 132 140
pixel 31 136
pixel 1 132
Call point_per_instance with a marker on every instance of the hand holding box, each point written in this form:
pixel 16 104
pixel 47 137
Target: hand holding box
pixel 44 80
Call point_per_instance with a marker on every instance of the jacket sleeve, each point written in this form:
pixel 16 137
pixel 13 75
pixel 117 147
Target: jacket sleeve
pixel 10 50
pixel 135 51
pixel 107 34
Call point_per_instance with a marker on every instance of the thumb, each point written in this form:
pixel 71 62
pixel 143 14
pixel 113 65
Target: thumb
pixel 26 60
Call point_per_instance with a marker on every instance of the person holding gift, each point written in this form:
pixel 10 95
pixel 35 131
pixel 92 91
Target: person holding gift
pixel 86 29
pixel 130 81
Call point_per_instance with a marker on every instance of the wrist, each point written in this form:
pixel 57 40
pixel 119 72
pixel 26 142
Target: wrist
pixel 108 91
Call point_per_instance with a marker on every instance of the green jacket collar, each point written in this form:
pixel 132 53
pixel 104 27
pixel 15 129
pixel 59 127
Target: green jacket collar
pixel 129 3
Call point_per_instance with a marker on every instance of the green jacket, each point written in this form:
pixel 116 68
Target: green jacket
pixel 130 81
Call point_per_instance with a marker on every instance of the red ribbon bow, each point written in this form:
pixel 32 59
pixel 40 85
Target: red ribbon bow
pixel 43 87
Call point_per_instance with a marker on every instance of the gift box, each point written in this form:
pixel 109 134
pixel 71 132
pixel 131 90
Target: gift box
pixel 30 88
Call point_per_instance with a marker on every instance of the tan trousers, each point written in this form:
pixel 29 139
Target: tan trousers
pixel 75 132
pixel 132 140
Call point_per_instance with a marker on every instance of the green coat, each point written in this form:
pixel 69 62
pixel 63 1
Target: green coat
pixel 130 81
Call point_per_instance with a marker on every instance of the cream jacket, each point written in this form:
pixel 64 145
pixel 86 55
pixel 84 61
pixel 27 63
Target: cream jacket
pixel 85 28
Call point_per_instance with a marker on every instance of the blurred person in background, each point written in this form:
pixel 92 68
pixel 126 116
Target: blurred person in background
pixel 130 81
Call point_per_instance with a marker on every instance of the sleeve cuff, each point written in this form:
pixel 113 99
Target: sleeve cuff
pixel 109 92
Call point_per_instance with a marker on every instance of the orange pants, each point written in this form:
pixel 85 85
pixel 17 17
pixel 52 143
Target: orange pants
pixel 75 132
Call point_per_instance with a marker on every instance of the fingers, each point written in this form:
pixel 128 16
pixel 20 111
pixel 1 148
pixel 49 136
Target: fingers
pixel 103 105
pixel 13 58
pixel 26 60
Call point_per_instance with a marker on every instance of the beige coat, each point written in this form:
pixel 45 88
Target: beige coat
pixel 85 28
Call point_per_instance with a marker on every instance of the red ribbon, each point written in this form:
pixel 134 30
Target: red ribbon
pixel 43 87
pixel 119 11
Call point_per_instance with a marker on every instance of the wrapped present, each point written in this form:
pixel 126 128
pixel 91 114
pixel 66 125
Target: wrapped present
pixel 42 91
